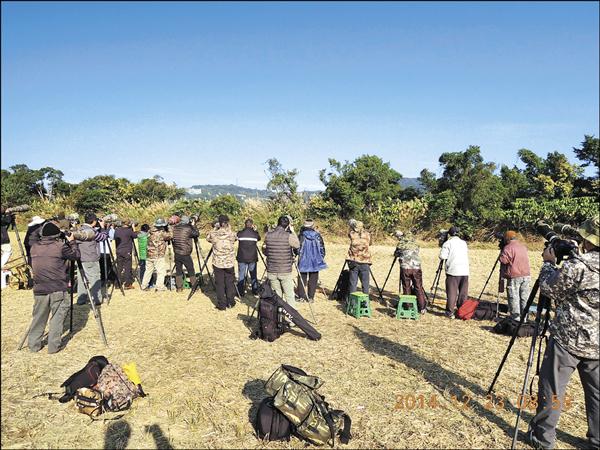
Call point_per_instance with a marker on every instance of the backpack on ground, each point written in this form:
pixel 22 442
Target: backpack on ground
pixel 271 424
pixel 343 286
pixel 86 377
pixel 89 401
pixel 478 310
pixel 508 326
pixel 295 395
pixel 117 390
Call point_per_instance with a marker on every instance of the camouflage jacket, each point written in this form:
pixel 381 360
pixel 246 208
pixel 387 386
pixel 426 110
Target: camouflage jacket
pixel 574 290
pixel 359 247
pixel 223 249
pixel 157 243
pixel 408 252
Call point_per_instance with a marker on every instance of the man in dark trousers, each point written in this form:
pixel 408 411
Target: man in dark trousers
pixel 124 236
pixel 49 260
pixel 184 234
pixel 247 256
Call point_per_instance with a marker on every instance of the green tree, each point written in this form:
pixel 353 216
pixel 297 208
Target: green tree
pixel 99 193
pixel 589 154
pixel 155 190
pixel 282 182
pixel 226 204
pixel 20 184
pixel 553 177
pixel 359 187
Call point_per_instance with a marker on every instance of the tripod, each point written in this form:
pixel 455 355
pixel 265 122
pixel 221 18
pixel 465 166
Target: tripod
pixel 436 282
pixel 136 272
pixel 96 311
pixel 312 313
pixel 486 283
pixel 114 268
pixel 543 303
pixel 337 284
pixel 199 278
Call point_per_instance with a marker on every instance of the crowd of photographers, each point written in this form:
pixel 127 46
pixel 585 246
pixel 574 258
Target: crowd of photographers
pixel 573 287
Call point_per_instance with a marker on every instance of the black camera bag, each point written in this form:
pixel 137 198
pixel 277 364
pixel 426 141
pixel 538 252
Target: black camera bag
pixel 271 424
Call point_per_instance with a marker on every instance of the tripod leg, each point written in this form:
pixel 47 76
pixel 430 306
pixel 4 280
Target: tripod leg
pixel 388 276
pixel 379 290
pixel 136 272
pixel 305 292
pixel 72 279
pixel 25 336
pixel 92 304
pixel 105 293
pixel 337 283
pixel 488 278
pixel 114 268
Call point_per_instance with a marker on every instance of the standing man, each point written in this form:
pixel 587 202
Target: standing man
pixel 311 260
pixel 573 342
pixel 104 250
pixel 278 248
pixel 183 235
pixel 411 275
pixel 31 235
pixel 223 260
pixel 247 256
pixel 142 241
pixel 124 236
pixel 514 266
pixel 49 260
pixel 157 248
pixel 5 221
pixel 89 235
pixel 456 254
pixel 359 256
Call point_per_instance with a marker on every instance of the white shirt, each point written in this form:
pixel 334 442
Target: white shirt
pixel 456 254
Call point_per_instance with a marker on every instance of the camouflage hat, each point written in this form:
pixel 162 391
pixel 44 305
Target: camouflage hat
pixel 185 220
pixel 160 222
pixel 590 230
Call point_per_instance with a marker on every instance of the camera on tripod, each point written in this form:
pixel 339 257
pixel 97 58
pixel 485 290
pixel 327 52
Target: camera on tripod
pixel 562 248
pixel 499 236
pixel 442 237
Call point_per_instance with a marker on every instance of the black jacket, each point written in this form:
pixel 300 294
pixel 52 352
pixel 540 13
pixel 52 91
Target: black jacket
pixel 247 245
pixel 5 223
pixel 49 258
pixel 31 235
pixel 183 234
pixel 124 237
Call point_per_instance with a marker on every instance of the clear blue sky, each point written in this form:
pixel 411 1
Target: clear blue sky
pixel 206 93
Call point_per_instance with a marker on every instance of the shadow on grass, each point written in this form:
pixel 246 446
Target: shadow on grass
pixel 444 380
pixel 81 315
pixel 117 435
pixel 254 390
pixel 161 441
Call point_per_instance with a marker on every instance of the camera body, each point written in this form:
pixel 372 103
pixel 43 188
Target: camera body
pixel 442 237
pixel 499 236
pixel 562 247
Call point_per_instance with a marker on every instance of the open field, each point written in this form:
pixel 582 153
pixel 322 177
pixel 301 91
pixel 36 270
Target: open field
pixel 204 375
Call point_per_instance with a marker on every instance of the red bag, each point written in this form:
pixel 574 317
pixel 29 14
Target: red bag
pixel 466 311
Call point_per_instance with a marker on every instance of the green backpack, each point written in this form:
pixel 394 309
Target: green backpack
pixel 295 395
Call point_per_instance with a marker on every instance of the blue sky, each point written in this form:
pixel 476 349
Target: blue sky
pixel 206 93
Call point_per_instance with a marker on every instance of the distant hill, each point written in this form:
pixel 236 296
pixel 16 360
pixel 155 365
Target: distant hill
pixel 210 191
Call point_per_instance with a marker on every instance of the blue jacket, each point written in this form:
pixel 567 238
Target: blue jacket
pixel 312 251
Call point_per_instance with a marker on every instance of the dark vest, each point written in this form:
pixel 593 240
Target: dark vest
pixel 279 251
pixel 50 269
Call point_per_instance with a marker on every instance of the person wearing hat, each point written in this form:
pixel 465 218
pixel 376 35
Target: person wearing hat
pixel 411 275
pixel 32 232
pixel 456 255
pixel 359 256
pixel 310 260
pixel 247 256
pixel 514 267
pixel 184 234
pixel 158 239
pixel 574 291
pixel 223 260
pixel 6 221
pixel 124 236
pixel 49 260
pixel 89 235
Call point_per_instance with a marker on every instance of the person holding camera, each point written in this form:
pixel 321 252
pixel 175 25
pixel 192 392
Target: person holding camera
pixel 142 240
pixel 89 235
pixel 183 235
pixel 6 221
pixel 50 254
pixel 573 343
pixel 359 256
pixel 32 233
pixel 247 256
pixel 124 236
pixel 279 248
pixel 455 253
pixel 411 276
pixel 311 260
pixel 158 239
pixel 514 267
pixel 223 260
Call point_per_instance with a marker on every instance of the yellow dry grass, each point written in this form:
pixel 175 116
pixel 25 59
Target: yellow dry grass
pixel 204 375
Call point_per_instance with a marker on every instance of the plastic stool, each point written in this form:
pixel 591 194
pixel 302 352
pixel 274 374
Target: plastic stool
pixel 358 305
pixel 407 307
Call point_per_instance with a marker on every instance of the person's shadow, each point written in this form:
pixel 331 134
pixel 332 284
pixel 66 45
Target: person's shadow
pixel 81 315
pixel 254 390
pixel 117 435
pixel 161 441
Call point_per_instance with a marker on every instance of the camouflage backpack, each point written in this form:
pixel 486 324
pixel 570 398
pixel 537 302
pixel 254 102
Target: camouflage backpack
pixel 118 392
pixel 295 395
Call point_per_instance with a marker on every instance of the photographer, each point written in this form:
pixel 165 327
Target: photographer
pixel 514 267
pixel 93 231
pixel 359 256
pixel 247 256
pixel 573 343
pixel 456 255
pixel 158 239
pixel 32 234
pixel 183 235
pixel 124 236
pixel 311 259
pixel 142 240
pixel 277 248
pixel 223 260
pixel 411 275
pixel 49 256
pixel 6 221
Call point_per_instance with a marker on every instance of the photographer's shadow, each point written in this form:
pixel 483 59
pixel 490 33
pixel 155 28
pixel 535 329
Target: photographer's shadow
pixel 81 314
pixel 254 390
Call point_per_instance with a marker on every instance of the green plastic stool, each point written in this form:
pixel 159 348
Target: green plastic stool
pixel 407 307
pixel 186 283
pixel 358 305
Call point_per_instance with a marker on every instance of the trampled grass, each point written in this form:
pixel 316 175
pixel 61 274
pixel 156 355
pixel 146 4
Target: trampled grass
pixel 204 375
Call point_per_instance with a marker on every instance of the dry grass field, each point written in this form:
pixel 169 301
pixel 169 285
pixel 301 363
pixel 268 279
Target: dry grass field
pixel 204 376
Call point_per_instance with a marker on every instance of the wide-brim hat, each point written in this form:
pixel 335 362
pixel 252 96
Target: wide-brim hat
pixel 590 230
pixel 309 223
pixel 35 220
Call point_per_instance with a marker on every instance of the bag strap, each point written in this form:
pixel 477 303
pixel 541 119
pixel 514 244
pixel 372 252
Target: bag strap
pixel 50 395
pixel 345 434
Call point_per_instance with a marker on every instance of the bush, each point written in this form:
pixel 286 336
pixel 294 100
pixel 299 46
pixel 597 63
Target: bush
pixel 526 211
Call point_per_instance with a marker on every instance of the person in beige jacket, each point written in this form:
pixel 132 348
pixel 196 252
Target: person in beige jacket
pixel 359 256
pixel 223 259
